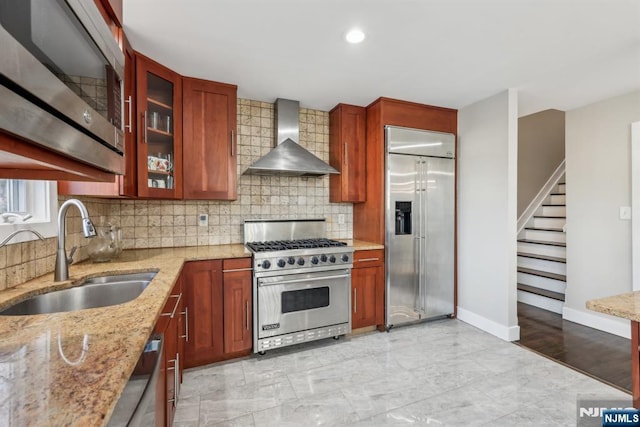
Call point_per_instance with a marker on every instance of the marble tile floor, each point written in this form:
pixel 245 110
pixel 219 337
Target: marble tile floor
pixel 444 373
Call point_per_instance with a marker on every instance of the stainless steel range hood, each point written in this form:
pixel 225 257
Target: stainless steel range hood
pixel 289 158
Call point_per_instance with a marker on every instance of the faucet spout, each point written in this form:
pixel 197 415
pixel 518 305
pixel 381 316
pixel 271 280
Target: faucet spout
pixel 62 261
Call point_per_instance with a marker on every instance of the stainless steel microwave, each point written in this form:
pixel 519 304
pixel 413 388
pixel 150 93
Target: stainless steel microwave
pixel 61 78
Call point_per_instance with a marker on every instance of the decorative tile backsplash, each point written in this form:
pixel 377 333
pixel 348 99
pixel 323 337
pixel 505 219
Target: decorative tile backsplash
pixel 20 262
pixel 165 223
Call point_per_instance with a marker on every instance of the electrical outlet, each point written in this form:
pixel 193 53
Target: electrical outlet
pixel 203 220
pixel 340 218
pixel 625 212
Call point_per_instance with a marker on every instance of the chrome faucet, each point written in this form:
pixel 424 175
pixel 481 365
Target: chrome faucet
pixel 62 261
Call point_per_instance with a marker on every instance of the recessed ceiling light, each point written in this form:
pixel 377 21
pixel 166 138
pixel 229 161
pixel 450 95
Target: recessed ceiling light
pixel 355 36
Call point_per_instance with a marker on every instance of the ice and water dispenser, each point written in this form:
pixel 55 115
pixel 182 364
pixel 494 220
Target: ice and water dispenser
pixel 403 218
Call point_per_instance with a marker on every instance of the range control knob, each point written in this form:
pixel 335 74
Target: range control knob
pixel 345 258
pixel 281 263
pixel 314 260
pixel 300 261
pixel 266 264
pixel 332 259
pixel 291 260
pixel 323 258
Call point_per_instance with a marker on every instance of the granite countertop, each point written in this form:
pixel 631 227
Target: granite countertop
pixel 626 306
pixel 360 245
pixel 48 378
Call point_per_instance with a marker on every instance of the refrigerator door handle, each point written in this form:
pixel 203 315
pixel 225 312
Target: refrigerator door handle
pixel 423 237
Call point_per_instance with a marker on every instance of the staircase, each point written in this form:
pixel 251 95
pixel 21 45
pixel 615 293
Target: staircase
pixel 542 253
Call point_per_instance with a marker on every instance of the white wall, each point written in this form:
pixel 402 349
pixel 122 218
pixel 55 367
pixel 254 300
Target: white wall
pixel 487 201
pixel 598 176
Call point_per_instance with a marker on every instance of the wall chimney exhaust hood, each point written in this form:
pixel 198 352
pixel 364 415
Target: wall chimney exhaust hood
pixel 289 158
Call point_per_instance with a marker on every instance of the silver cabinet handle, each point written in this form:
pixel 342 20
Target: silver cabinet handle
pixel 246 309
pixel 237 269
pixel 176 375
pixel 146 129
pixel 186 324
pixel 176 379
pixel 355 300
pixel 175 307
pixel 346 153
pixel 233 142
pixel 128 101
pixel 368 259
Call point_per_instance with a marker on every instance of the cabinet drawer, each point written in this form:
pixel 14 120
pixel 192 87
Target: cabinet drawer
pixel 236 264
pixel 368 258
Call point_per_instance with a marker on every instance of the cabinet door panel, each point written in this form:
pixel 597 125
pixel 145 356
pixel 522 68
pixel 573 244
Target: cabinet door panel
pixel 210 149
pixel 367 281
pixel 347 145
pixel 237 311
pixel 159 108
pixel 364 305
pixel 353 129
pixel 203 284
pixel 167 388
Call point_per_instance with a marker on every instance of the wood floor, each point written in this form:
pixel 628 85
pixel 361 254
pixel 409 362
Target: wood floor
pixel 599 354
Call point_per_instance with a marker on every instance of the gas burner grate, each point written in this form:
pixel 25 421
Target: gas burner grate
pixel 282 245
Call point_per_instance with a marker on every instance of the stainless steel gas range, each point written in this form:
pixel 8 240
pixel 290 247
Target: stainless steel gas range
pixel 301 282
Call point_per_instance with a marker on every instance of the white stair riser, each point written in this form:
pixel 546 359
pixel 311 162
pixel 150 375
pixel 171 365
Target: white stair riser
pixel 558 211
pixel 542 282
pixel 534 248
pixel 562 188
pixel 548 222
pixel 542 265
pixel 557 199
pixel 539 301
pixel 547 236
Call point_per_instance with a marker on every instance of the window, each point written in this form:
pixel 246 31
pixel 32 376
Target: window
pixel 27 204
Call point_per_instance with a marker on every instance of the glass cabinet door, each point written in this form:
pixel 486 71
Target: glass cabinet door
pixel 159 147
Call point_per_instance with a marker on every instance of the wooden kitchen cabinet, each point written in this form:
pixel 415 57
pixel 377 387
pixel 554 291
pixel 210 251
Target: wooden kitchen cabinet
pixel 170 377
pixel 347 149
pixel 204 305
pixel 209 140
pixel 219 310
pixel 368 217
pixel 367 289
pixel 237 305
pixel 159 115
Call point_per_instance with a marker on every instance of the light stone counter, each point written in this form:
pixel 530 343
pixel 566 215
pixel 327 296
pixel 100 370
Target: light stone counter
pixel 626 306
pixel 46 378
pixel 360 245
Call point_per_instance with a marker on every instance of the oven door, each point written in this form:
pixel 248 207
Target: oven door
pixel 297 302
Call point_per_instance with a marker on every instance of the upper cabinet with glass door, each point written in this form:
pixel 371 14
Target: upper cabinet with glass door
pixel 159 99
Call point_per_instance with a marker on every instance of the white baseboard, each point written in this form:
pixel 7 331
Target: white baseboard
pixel 507 333
pixel 610 324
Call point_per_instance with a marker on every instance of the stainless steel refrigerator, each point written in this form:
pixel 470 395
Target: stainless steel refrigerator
pixel 420 209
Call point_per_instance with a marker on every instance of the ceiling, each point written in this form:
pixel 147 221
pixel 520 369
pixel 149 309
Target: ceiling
pixel 558 54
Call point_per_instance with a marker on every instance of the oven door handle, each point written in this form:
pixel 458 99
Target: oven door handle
pixel 310 279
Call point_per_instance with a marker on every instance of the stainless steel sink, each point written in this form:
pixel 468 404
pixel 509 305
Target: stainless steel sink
pixel 118 278
pixel 101 291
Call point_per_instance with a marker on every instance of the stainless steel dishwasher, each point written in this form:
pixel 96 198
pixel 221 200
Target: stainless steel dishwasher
pixel 136 406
